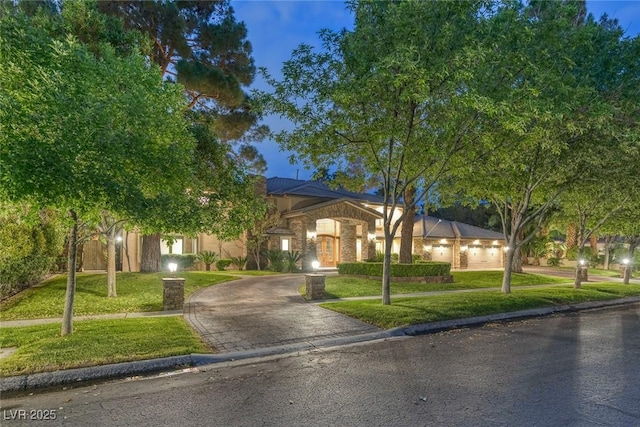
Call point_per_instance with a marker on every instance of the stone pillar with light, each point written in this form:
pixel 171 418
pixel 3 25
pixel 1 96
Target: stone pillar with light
pixel 625 270
pixel 315 283
pixel 584 270
pixel 173 290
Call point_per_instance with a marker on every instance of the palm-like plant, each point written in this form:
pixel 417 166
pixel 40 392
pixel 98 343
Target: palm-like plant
pixel 291 259
pixel 276 259
pixel 239 261
pixel 207 258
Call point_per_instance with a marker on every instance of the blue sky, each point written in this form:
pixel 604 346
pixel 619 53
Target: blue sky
pixel 277 27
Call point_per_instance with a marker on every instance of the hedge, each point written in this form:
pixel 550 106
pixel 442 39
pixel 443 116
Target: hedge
pixel 397 270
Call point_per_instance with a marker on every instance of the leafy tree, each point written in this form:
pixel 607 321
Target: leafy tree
pixel 257 234
pixel 84 128
pixel 200 45
pixel 396 95
pixel 555 73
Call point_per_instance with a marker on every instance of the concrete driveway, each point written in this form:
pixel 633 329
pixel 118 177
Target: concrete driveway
pixel 264 311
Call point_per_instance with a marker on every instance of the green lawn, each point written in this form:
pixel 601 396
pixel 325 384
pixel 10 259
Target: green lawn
pixel 344 287
pixel 96 342
pixel 409 311
pixel 137 292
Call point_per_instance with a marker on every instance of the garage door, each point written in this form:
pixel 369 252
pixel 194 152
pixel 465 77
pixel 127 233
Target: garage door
pixel 442 253
pixel 480 257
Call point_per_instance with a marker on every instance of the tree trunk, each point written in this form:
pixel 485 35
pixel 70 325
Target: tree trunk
pixel 516 263
pixel 150 262
pixel 577 283
pixel 607 251
pixel 572 236
pixel 67 315
pixel 627 270
pixel 508 265
pixel 406 236
pixel 386 270
pixel 111 263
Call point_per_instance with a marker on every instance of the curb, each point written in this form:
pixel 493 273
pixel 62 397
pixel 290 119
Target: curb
pixel 120 370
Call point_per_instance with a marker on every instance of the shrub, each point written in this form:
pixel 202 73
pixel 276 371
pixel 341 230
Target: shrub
pixel 553 261
pixel 291 259
pixel 184 261
pixel 223 263
pixel 239 261
pixel 207 258
pixel 276 259
pixel 29 248
pixel 397 270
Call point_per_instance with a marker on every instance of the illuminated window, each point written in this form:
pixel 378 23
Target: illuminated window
pixel 284 244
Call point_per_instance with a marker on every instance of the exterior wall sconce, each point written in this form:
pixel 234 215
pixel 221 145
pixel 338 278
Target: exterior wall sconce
pixel 441 250
pixel 371 236
pixel 311 234
pixel 464 248
pixel 493 251
pixel 475 251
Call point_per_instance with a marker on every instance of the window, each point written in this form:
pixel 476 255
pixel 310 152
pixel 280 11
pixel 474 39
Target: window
pixel 284 244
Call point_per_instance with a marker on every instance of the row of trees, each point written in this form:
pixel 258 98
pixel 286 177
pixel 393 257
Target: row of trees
pixel 94 122
pixel 530 106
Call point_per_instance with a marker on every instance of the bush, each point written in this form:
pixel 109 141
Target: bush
pixel 239 261
pixel 223 263
pixel 29 249
pixel 291 260
pixel 397 270
pixel 553 261
pixel 207 258
pixel 184 261
pixel 276 259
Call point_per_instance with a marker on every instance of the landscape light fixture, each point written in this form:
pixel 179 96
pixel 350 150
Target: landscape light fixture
pixel 172 268
pixel 315 264
pixel 625 261
pixel 582 262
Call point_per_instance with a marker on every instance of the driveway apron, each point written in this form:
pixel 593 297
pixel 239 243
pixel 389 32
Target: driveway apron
pixel 264 311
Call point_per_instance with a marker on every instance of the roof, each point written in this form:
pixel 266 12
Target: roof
pixel 426 226
pixel 306 209
pixel 286 186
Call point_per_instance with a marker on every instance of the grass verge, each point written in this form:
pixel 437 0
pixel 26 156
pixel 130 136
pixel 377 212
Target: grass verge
pixel 344 287
pixel 96 342
pixel 416 310
pixel 137 292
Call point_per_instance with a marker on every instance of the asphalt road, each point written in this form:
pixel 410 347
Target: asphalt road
pixel 580 369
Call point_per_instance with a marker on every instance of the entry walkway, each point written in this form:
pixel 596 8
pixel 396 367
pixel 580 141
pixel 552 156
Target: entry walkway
pixel 264 311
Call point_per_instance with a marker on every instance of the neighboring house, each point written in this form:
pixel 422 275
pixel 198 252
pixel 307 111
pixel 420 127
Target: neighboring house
pixel 335 225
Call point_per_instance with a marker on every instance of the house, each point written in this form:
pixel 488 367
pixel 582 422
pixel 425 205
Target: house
pixel 336 225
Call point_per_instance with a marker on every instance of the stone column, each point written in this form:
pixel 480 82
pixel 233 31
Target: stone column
pixel 298 242
pixel 348 247
pixel 455 253
pixel 173 293
pixel 368 246
pixel 315 285
pixel 310 254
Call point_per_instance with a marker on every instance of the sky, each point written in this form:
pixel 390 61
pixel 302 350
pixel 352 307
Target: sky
pixel 276 28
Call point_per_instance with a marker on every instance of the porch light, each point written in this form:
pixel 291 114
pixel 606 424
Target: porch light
pixel 464 248
pixel 371 236
pixel 315 264
pixel 311 234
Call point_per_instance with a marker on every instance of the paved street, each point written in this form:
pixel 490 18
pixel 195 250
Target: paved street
pixel 580 369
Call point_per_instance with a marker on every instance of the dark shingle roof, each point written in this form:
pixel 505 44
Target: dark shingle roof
pixel 280 186
pixel 426 226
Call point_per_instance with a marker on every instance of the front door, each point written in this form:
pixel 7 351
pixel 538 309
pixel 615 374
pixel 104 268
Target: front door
pixel 326 251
